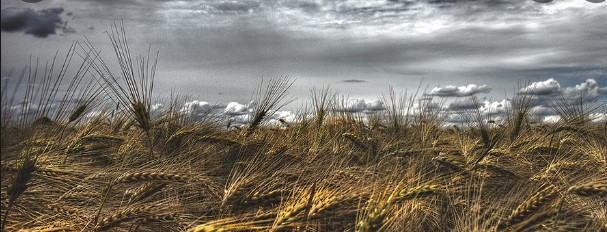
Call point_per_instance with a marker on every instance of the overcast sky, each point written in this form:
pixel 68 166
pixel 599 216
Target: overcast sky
pixel 218 50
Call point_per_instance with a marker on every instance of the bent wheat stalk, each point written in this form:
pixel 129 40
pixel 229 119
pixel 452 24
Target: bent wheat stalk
pixel 530 206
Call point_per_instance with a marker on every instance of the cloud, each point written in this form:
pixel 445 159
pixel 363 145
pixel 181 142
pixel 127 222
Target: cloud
pixel 456 119
pixel 281 118
pixel 156 109
pixel 495 107
pixel 459 91
pixel 353 81
pixel 375 106
pixel 547 87
pixel 236 6
pixel 551 119
pixel 598 117
pixel 196 110
pixel 546 92
pixel 239 114
pixel 235 108
pixel 589 91
pixel 540 111
pixel 353 106
pixel 40 23
pixel 240 119
pixel 360 106
pixel 467 104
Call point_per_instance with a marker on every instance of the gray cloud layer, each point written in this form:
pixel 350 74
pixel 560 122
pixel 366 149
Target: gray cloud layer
pixel 224 46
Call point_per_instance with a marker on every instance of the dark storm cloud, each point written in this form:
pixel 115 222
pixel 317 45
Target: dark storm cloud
pixel 40 23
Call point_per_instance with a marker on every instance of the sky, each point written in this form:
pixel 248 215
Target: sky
pixel 217 51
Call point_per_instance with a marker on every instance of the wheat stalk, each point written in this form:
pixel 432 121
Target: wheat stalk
pixel 530 206
pixel 290 215
pixel 63 210
pixel 374 220
pixel 49 229
pixel 146 191
pixel 356 140
pixel 220 141
pixel 179 135
pixel 96 138
pixel 19 184
pixel 536 219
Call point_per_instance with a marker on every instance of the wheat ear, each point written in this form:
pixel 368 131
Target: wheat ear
pixel 122 216
pixel 530 206
pixel 590 189
pixel 151 176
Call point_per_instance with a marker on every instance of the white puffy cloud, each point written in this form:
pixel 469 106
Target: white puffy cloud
pixel 546 87
pixel 361 106
pixel 240 119
pixel 598 117
pixel 275 119
pixel 235 108
pixel 241 114
pixel 551 119
pixel 286 116
pixel 589 91
pixel 495 107
pixel 459 91
pixel 546 93
pixel 196 109
pixel 157 107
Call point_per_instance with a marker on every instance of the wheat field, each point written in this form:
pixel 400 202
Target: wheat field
pixel 124 170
